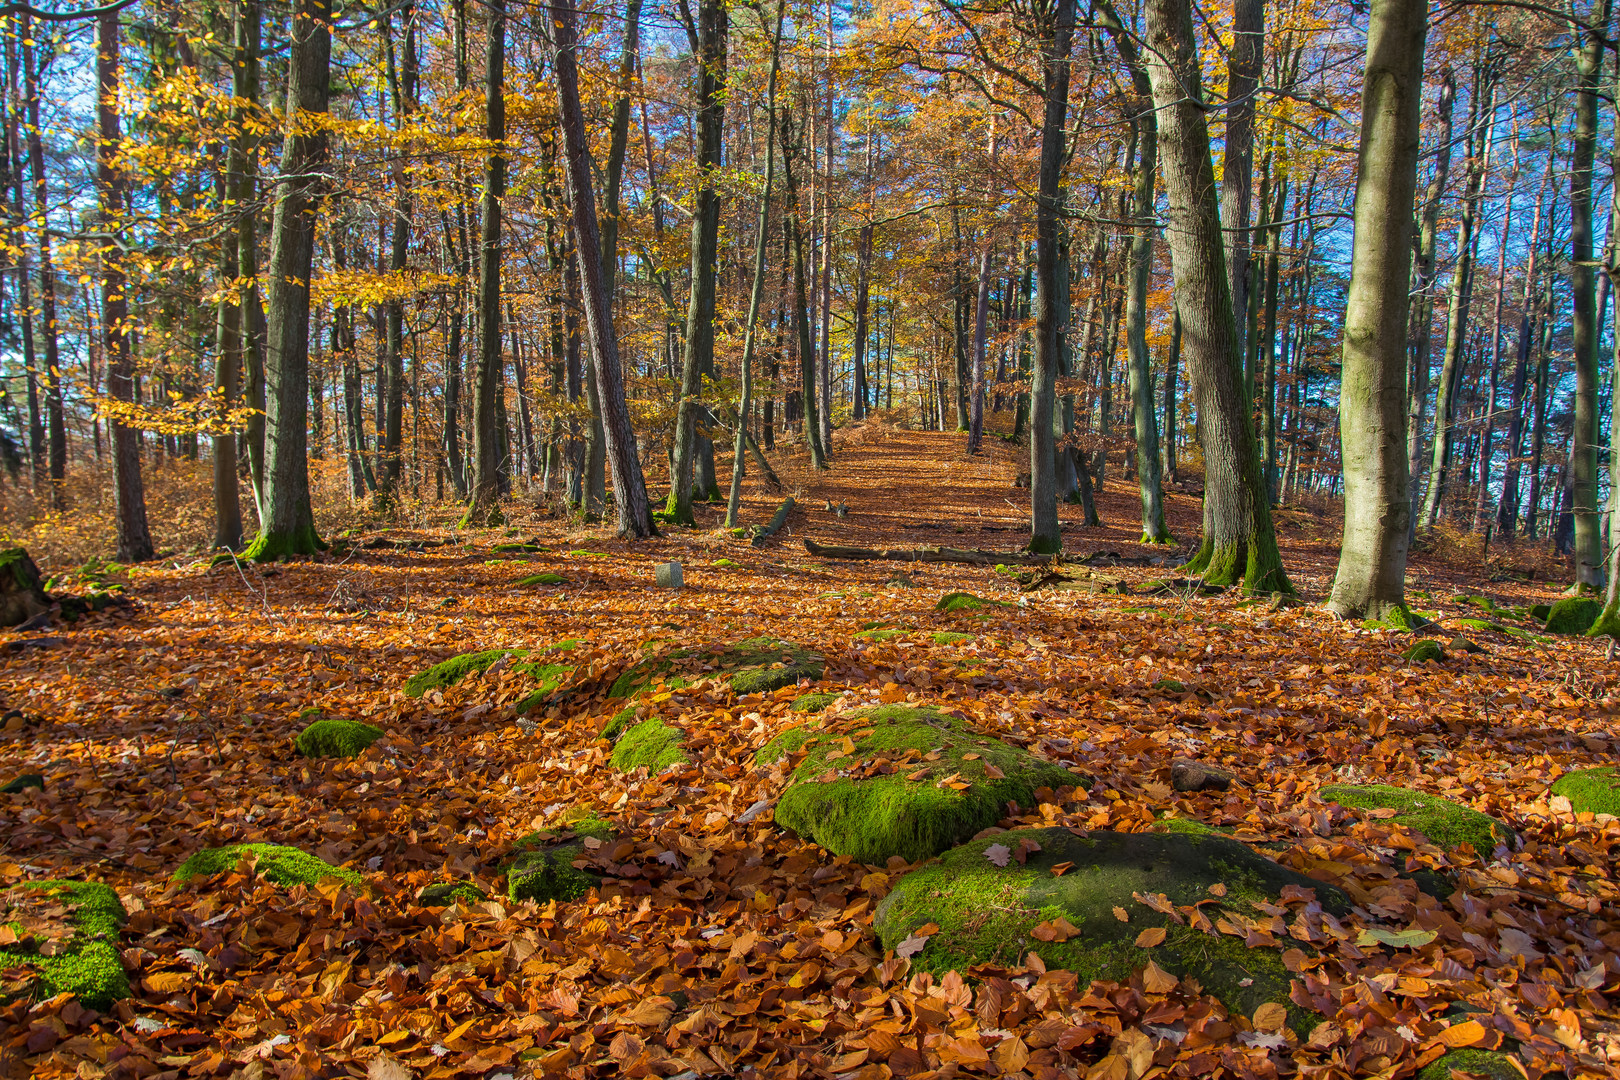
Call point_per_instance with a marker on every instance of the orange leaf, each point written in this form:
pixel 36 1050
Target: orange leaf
pixel 1153 935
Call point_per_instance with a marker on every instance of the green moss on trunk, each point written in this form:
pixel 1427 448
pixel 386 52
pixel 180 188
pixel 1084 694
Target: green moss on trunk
pixel 269 547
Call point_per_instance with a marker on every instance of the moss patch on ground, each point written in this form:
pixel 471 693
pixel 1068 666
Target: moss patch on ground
pixel 652 743
pixel 1189 827
pixel 23 783
pixel 445 893
pixel 884 633
pixel 1447 824
pixel 77 922
pixel 812 703
pixel 753 666
pixel 961 601
pixel 1573 615
pixel 617 724
pixel 1489 1063
pixel 546 578
pixel 336 739
pixel 548 676
pixel 952 637
pixel 453 670
pixel 1591 791
pixel 283 865
pixel 988 913
pixel 902 781
pixel 544 869
pixel 1423 651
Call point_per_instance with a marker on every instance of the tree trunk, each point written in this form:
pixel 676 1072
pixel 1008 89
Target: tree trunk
pixel 1507 510
pixel 1045 535
pixel 981 331
pixel 288 527
pixel 1371 580
pixel 801 305
pixel 50 372
pixel 1239 544
pixel 1237 159
pixel 129 494
pixel 489 380
pixel 629 486
pixel 1423 288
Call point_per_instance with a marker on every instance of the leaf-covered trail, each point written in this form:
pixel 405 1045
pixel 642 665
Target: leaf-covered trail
pixel 719 945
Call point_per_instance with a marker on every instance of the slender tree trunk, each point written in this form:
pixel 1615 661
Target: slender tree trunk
pixel 1240 544
pixel 1171 368
pixel 50 372
pixel 489 381
pixel 1237 166
pixel 288 527
pixel 1489 410
pixel 129 494
pixel 981 331
pixel 1371 580
pixel 801 304
pixel 1423 288
pixel 629 486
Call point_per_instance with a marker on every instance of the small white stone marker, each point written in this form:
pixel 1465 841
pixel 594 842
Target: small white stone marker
pixel 669 575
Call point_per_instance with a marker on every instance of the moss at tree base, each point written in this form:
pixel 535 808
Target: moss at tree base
pixel 271 546
pixel 988 913
pixel 88 965
pixel 875 793
pixel 1447 824
pixel 286 866
pixel 336 739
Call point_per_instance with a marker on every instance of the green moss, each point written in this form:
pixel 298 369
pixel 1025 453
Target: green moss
pixel 1591 791
pixel 23 783
pixel 88 965
pixel 445 893
pixel 546 578
pixel 952 637
pixel 336 739
pixel 1447 824
pixel 1540 612
pixel 544 867
pixel 756 665
pixel 1482 624
pixel 453 670
pixel 723 563
pixel 618 722
pixel 812 703
pixel 1170 686
pixel 888 633
pixel 1573 615
pixel 270 546
pixel 652 743
pixel 274 862
pixel 1489 1063
pixel 1423 651
pixel 871 806
pixel 790 741
pixel 961 601
pixel 1190 827
pixel 525 548
pixel 987 913
pixel 549 677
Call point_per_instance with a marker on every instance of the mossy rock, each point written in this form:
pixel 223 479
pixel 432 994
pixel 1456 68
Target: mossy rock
pixel 336 739
pixel 961 601
pixel 1446 823
pixel 652 743
pixel 23 783
pixel 885 633
pixel 987 913
pixel 287 866
pixel 548 676
pixel 1573 615
pixel 544 869
pixel 1190 827
pixel 617 724
pixel 1170 686
pixel 890 795
pixel 84 960
pixel 449 672
pixel 445 893
pixel 1489 1063
pixel 547 578
pixel 1423 651
pixel 812 703
pixel 724 564
pixel 1539 612
pixel 1591 791
pixel 1482 624
pixel 518 548
pixel 754 666
pixel 952 637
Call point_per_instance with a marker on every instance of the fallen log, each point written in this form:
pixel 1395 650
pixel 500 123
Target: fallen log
pixel 927 554
pixel 777 521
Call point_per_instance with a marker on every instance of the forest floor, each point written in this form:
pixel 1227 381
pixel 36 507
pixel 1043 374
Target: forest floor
pixel 720 945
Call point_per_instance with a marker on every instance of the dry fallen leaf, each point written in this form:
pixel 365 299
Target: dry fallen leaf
pixel 1147 939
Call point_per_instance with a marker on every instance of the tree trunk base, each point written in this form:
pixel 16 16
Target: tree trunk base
pixel 271 546
pixel 1240 563
pixel 482 515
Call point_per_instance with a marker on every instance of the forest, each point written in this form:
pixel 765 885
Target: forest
pixel 1049 539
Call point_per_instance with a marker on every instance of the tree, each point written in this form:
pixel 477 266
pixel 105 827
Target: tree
pixel 629 486
pixel 1371 581
pixel 489 381
pixel 1239 543
pixel 708 39
pixel 288 526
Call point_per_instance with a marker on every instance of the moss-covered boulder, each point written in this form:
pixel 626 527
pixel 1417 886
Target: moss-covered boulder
pixel 1423 651
pixel 66 942
pixel 1573 615
pixel 652 743
pixel 547 578
pixel 1490 1063
pixel 754 666
pixel 895 780
pixel 22 596
pixel 287 866
pixel 812 703
pixel 961 601
pixel 336 739
pixel 1539 612
pixel 1447 824
pixel 23 783
pixel 1591 791
pixel 996 899
pixel 544 869
pixel 445 893
pixel 449 672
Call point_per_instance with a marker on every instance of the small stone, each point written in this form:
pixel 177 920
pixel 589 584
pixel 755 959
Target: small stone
pixel 669 575
pixel 1462 644
pixel 1195 776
